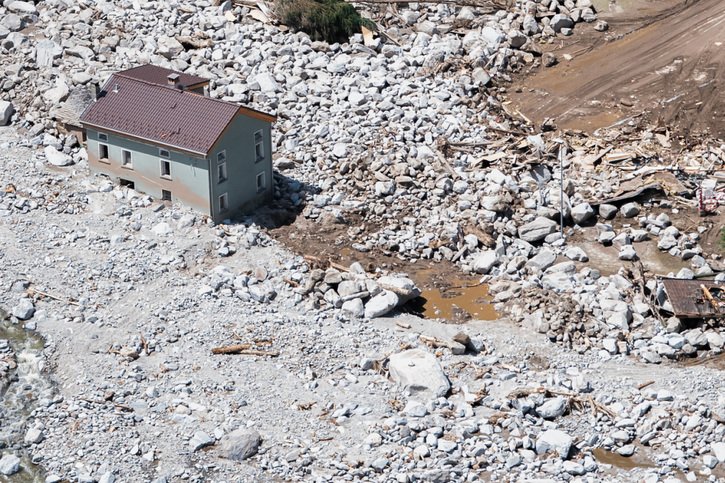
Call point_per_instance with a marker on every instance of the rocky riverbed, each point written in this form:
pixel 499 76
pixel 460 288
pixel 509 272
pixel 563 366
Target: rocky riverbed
pixel 277 346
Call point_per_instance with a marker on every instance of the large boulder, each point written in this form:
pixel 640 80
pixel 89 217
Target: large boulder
pixel 561 21
pixel 6 112
pixel 9 464
pixel 543 260
pixel 554 440
pixel 240 444
pixel 418 370
pixel 537 230
pixel 46 51
pixel 485 261
pixel 57 158
pixel 381 304
pixel 581 213
pixel 403 287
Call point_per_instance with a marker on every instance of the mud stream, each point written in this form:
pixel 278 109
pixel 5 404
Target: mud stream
pixel 23 390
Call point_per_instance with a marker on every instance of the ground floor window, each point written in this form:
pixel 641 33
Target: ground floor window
pixel 165 168
pixel 127 159
pixel 223 202
pixel 103 152
pixel 261 182
pixel 166 195
pixel 127 183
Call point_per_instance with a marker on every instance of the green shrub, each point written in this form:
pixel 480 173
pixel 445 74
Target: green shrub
pixel 329 20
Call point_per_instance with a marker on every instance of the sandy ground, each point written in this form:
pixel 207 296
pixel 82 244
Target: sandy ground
pixel 664 61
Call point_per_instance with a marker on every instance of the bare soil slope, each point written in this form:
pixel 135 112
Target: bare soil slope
pixel 669 66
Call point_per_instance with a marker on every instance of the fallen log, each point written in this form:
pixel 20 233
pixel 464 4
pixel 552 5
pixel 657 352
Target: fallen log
pixel 244 350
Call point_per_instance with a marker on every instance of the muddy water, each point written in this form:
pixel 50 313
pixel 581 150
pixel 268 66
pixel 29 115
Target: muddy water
pixel 27 386
pixel 460 302
pixel 621 462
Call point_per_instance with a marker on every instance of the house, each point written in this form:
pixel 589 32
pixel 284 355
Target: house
pixel 153 129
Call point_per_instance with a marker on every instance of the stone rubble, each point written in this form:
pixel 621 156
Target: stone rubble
pixel 409 144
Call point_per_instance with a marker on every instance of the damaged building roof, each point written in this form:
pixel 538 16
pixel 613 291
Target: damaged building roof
pixel 689 300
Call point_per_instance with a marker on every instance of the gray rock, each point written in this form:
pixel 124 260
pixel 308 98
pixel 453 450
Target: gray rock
pixel 554 440
pixel 581 213
pixel 607 211
pixel 354 308
pixel 26 8
pixel 415 409
pixel 485 261
pixel 46 51
pixel 57 158
pixel 629 210
pixel 200 440
pixel 576 254
pixel 381 304
pixel 9 464
pixel 561 21
pixel 34 436
pixel 24 309
pixel 6 112
pixel 169 47
pixel 240 445
pixel 673 325
pixel 537 230
pixel 627 253
pixel 418 370
pixel 267 83
pixel 403 287
pixel 543 260
pixel 718 450
pixel 553 408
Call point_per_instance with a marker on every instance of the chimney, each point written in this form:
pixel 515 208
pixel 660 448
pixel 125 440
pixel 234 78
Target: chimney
pixel 96 90
pixel 116 88
pixel 173 79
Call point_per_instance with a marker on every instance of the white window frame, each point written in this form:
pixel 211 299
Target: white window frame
pixel 124 164
pixel 263 185
pixel 161 166
pixel 222 167
pixel 221 157
pixel 108 153
pixel 164 153
pixel 223 202
pixel 102 136
pixel 259 146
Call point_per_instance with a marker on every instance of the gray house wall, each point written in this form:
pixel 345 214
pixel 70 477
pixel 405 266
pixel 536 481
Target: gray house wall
pixel 242 168
pixel 188 182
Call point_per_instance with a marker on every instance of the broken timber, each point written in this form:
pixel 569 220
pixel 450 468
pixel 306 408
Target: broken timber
pixel 689 300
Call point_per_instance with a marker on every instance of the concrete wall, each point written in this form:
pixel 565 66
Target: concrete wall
pixel 242 168
pixel 189 180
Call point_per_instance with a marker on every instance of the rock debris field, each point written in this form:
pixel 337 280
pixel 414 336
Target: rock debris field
pixel 141 342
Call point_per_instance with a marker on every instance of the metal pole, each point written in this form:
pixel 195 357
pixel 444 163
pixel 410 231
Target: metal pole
pixel 562 153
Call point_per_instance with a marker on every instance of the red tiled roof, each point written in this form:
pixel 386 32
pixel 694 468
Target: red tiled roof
pixel 159 75
pixel 161 113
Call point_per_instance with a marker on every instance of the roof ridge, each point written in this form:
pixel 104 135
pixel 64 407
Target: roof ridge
pixel 176 89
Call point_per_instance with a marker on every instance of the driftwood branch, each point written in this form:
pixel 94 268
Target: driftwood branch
pixel 574 399
pixel 33 291
pixel 243 349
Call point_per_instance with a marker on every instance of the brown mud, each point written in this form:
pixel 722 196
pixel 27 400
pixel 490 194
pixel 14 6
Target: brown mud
pixel 662 62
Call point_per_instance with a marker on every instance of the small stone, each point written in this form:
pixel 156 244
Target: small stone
pixel 200 440
pixel 553 408
pixel 629 210
pixel 34 436
pixel 24 309
pixel 554 440
pixel 240 445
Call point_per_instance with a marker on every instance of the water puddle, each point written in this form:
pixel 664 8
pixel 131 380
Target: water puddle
pixel 453 299
pixel 21 391
pixel 622 462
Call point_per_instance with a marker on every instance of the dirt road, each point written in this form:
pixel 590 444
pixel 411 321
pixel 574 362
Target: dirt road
pixel 664 62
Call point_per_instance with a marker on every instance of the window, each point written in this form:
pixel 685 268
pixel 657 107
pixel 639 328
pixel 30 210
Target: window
pixel 221 157
pixel 165 169
pixel 164 153
pixel 222 172
pixel 223 202
pixel 258 146
pixel 261 182
pixel 102 136
pixel 103 152
pixel 127 159
pixel 166 195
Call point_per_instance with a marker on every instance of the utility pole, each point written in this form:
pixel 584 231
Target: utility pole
pixel 562 154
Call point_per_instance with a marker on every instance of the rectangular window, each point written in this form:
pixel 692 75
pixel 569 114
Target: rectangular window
pixel 223 202
pixel 103 153
pixel 259 146
pixel 165 169
pixel 164 153
pixel 166 195
pixel 261 182
pixel 222 172
pixel 221 157
pixel 102 136
pixel 127 159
